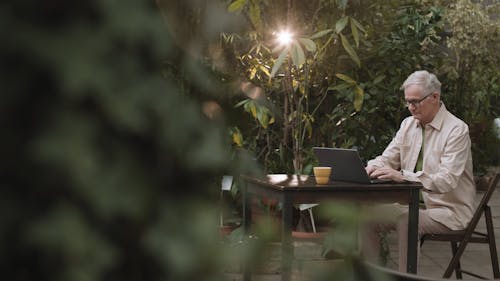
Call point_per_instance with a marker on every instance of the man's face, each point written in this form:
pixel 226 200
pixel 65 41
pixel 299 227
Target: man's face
pixel 421 105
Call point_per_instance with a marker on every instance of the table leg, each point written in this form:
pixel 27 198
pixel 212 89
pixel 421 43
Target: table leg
pixel 411 263
pixel 247 219
pixel 286 239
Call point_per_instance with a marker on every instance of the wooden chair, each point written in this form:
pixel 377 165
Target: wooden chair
pixel 459 239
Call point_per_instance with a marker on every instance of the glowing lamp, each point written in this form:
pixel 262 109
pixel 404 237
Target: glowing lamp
pixel 284 37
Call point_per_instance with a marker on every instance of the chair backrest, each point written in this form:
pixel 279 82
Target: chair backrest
pixel 484 201
pixel 491 187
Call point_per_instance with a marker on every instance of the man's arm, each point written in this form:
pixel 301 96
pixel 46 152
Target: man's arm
pixel 390 158
pixel 452 163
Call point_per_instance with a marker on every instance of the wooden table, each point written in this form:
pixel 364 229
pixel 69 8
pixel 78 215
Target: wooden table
pixel 295 189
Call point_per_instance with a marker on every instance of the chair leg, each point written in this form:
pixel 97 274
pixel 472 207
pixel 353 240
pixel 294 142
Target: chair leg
pixel 458 268
pixel 491 242
pixel 422 240
pixel 456 258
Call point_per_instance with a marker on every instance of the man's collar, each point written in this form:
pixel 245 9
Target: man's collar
pixel 437 121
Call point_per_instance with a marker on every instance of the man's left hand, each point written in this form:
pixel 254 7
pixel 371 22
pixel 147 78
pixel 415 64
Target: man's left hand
pixel 387 173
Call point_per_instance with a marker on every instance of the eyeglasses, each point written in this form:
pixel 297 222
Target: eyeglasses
pixel 416 103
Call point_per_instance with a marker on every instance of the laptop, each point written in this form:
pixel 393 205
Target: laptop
pixel 346 165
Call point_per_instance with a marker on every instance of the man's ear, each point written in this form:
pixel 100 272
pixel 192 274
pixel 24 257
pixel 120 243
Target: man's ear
pixel 436 96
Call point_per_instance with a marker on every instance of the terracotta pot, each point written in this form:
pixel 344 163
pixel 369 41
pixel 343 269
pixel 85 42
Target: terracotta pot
pixel 308 235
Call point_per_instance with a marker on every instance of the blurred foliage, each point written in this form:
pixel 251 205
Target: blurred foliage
pixel 112 160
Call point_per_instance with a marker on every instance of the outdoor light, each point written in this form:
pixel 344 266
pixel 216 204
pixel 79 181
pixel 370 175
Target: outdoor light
pixel 284 37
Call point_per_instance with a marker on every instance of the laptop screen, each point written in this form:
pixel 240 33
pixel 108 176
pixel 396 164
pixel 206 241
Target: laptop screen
pixel 346 164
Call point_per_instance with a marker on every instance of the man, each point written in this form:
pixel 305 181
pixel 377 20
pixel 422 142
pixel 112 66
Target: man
pixel 432 147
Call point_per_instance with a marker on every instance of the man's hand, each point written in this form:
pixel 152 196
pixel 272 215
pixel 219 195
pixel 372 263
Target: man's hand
pixel 370 169
pixel 385 173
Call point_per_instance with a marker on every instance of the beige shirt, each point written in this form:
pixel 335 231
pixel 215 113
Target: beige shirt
pixel 449 189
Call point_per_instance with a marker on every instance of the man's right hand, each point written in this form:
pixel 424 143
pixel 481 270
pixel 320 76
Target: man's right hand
pixel 370 170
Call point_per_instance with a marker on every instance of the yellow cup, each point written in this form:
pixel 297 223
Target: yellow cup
pixel 322 174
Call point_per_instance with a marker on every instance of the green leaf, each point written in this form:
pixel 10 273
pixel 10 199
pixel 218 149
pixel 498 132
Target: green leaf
pixel 264 120
pixel 258 114
pixel 346 78
pixel 378 79
pixel 298 56
pixel 342 4
pixel 308 43
pixel 350 50
pixel 236 5
pixel 253 72
pixel 264 116
pixel 265 70
pixel 340 25
pixel 307 169
pixel 279 62
pixel 355 33
pixel 241 103
pixel 321 33
pixel 253 109
pixel 358 25
pixel 255 14
pixel 358 98
pixel 339 87
pixel 237 137
pixel 277 48
pixel 308 128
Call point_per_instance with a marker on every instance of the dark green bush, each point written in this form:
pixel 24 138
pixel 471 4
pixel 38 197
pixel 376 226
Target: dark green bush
pixel 110 171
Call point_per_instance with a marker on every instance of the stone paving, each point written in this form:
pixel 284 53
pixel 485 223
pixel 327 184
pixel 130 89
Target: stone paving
pixel 434 256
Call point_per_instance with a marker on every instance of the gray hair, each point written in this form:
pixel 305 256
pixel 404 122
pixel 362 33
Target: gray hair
pixel 426 80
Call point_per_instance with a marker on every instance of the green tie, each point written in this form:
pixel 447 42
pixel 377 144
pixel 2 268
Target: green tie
pixel 419 165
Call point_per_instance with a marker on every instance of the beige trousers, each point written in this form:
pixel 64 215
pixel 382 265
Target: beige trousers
pixel 394 217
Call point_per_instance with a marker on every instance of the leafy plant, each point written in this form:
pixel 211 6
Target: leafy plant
pixel 473 76
pixel 339 85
